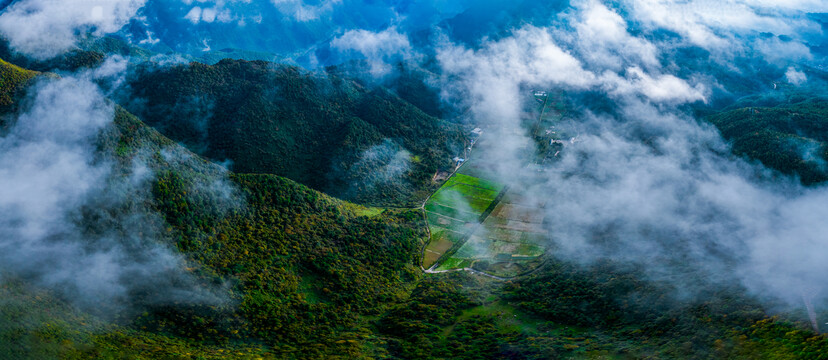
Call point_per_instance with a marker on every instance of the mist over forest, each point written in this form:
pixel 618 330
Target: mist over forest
pixel 413 179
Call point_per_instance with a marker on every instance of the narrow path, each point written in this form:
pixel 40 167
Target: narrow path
pixel 473 271
pixel 467 153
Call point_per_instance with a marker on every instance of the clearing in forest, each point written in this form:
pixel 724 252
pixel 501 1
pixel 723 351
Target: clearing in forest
pixel 490 227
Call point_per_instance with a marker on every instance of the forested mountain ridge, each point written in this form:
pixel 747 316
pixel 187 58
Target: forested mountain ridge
pixel 331 133
pixel 788 137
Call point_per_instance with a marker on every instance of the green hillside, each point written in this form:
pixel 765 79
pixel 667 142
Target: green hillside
pixel 304 270
pixel 305 266
pixel 791 138
pixel 330 133
pixel 12 79
pixel 90 53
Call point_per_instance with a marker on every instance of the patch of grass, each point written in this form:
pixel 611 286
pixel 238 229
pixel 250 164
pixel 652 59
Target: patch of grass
pixel 430 258
pixel 441 221
pixel 525 249
pixel 368 211
pixel 478 182
pixel 475 248
pixel 443 240
pixel 462 195
pixel 454 263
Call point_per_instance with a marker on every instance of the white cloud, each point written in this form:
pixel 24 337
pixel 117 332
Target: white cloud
pixel 662 88
pixel 300 11
pixel 602 39
pixel 811 6
pixel 57 182
pixel 194 15
pixel 669 192
pixel 715 25
pixel 209 15
pixel 489 81
pixel 210 11
pixel 795 77
pixel 647 183
pixel 46 28
pixel 777 51
pixel 377 47
pixel 490 76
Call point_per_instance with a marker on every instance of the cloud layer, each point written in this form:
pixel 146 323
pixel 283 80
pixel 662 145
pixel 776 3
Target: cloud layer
pixel 46 28
pixel 646 183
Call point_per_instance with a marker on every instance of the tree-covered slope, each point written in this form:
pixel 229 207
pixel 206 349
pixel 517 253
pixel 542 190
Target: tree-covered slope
pixel 298 271
pixel 789 137
pixel 328 132
pixel 303 269
pixel 12 79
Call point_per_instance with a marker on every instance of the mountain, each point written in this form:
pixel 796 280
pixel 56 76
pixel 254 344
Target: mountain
pixel 334 134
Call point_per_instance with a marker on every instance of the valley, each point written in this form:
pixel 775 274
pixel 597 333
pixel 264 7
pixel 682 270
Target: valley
pixel 413 180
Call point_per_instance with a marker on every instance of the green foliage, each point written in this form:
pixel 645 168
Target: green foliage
pixel 306 275
pixel 772 339
pixel 70 61
pixel 301 270
pixel 566 295
pixel 36 325
pixel 417 325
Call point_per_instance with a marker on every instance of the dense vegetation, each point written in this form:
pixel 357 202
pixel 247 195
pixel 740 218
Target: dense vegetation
pixel 12 79
pixel 328 132
pixel 302 269
pixel 70 61
pixel 89 54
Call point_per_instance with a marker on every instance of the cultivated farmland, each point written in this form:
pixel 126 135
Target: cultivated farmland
pixel 478 223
